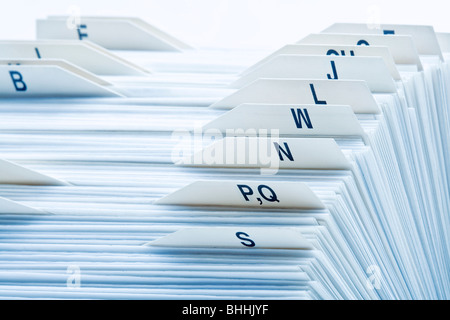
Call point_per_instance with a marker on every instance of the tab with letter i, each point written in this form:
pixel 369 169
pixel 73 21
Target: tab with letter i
pixel 85 55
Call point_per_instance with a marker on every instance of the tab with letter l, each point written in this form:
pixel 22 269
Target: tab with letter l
pixel 354 93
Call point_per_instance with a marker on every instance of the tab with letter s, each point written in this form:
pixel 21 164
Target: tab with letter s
pixel 235 238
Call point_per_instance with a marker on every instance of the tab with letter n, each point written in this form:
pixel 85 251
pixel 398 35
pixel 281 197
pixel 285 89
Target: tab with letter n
pixel 284 153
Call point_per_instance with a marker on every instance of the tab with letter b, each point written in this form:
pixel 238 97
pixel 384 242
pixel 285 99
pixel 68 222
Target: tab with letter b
pixel 23 78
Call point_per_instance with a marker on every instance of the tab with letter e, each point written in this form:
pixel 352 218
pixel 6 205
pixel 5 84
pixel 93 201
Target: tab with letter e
pixel 402 48
pixel 85 55
pixel 373 70
pixel 335 50
pixel 22 78
pixel 290 120
pixel 354 93
pixel 424 36
pixel 235 238
pixel 262 194
pixel 114 33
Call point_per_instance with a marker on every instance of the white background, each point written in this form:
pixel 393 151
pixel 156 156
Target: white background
pixel 267 24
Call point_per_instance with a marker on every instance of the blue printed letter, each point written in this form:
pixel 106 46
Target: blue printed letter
pixel 17 80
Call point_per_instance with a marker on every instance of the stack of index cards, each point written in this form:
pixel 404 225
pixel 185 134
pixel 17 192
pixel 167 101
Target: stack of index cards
pixel 137 167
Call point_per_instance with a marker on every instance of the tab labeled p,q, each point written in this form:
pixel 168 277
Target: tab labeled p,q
pixel 262 194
